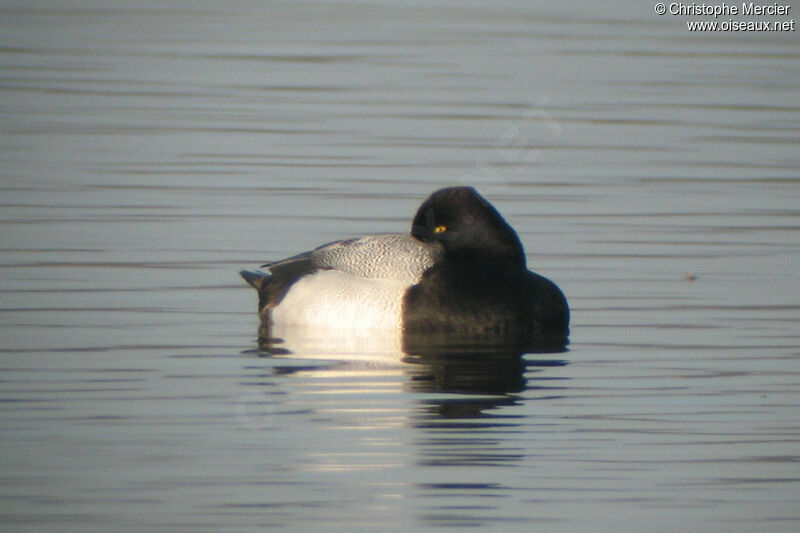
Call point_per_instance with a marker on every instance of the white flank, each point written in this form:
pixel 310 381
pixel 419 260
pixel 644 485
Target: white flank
pixel 341 301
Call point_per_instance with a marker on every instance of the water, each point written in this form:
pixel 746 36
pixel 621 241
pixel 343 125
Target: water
pixel 152 149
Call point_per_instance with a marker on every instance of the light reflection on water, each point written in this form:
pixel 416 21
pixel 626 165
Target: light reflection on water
pixel 150 152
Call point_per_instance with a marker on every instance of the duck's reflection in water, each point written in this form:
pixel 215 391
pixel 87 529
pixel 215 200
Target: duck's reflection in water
pixel 460 376
pixel 461 398
pixel 473 396
pixel 475 373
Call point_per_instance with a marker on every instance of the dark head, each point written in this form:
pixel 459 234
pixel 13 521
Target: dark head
pixel 467 226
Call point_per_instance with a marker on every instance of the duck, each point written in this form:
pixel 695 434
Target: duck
pixel 460 270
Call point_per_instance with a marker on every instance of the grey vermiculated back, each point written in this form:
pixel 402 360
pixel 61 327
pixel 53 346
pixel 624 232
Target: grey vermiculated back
pixel 386 256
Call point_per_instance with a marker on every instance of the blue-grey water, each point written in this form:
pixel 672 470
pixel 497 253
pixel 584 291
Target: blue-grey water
pixel 149 150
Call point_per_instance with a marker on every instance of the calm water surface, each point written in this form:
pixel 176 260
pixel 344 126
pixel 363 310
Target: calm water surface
pixel 151 149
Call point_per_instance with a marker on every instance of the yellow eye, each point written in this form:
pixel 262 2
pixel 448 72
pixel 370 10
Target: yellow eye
pixel 440 229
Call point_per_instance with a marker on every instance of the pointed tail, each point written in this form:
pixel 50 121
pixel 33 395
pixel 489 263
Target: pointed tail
pixel 255 279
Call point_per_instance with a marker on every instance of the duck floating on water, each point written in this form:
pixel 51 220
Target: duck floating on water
pixel 460 271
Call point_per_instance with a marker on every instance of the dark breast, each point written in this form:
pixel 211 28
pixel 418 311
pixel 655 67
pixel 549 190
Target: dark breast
pixel 486 298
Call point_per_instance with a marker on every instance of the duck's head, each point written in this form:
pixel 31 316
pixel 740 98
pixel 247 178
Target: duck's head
pixel 467 226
